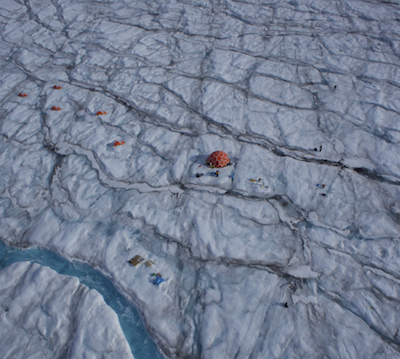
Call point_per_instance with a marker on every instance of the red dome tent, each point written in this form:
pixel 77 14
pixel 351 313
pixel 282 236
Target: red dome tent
pixel 218 159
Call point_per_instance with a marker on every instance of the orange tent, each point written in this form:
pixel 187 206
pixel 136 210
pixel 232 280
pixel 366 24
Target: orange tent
pixel 218 159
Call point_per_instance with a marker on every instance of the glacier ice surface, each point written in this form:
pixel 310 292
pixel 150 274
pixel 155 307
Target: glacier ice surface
pixel 298 93
pixel 47 315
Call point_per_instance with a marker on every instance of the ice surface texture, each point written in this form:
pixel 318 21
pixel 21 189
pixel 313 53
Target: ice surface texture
pixel 47 315
pixel 297 93
pixel 129 319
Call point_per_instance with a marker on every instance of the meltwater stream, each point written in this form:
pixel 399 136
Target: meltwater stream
pixel 142 346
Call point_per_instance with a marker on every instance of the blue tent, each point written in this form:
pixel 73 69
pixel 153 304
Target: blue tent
pixel 158 280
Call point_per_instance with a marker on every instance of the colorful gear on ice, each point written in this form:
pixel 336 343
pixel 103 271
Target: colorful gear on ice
pixel 218 159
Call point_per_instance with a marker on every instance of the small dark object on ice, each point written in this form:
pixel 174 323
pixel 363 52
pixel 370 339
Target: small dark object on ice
pixel 320 185
pixel 199 174
pixel 286 305
pixel 334 88
pixel 323 194
pixel 216 173
pixel 316 149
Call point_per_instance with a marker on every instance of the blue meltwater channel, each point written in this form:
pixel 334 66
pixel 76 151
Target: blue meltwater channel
pixel 136 335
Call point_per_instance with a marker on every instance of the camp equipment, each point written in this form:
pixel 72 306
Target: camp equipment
pixel 136 260
pixel 218 159
pixel 158 279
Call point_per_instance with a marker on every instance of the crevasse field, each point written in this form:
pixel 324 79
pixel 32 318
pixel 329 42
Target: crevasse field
pixel 297 93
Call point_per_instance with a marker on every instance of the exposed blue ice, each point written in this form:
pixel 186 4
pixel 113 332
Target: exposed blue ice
pixel 140 342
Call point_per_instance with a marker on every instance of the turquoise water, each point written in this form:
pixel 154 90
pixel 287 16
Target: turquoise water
pixel 139 340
